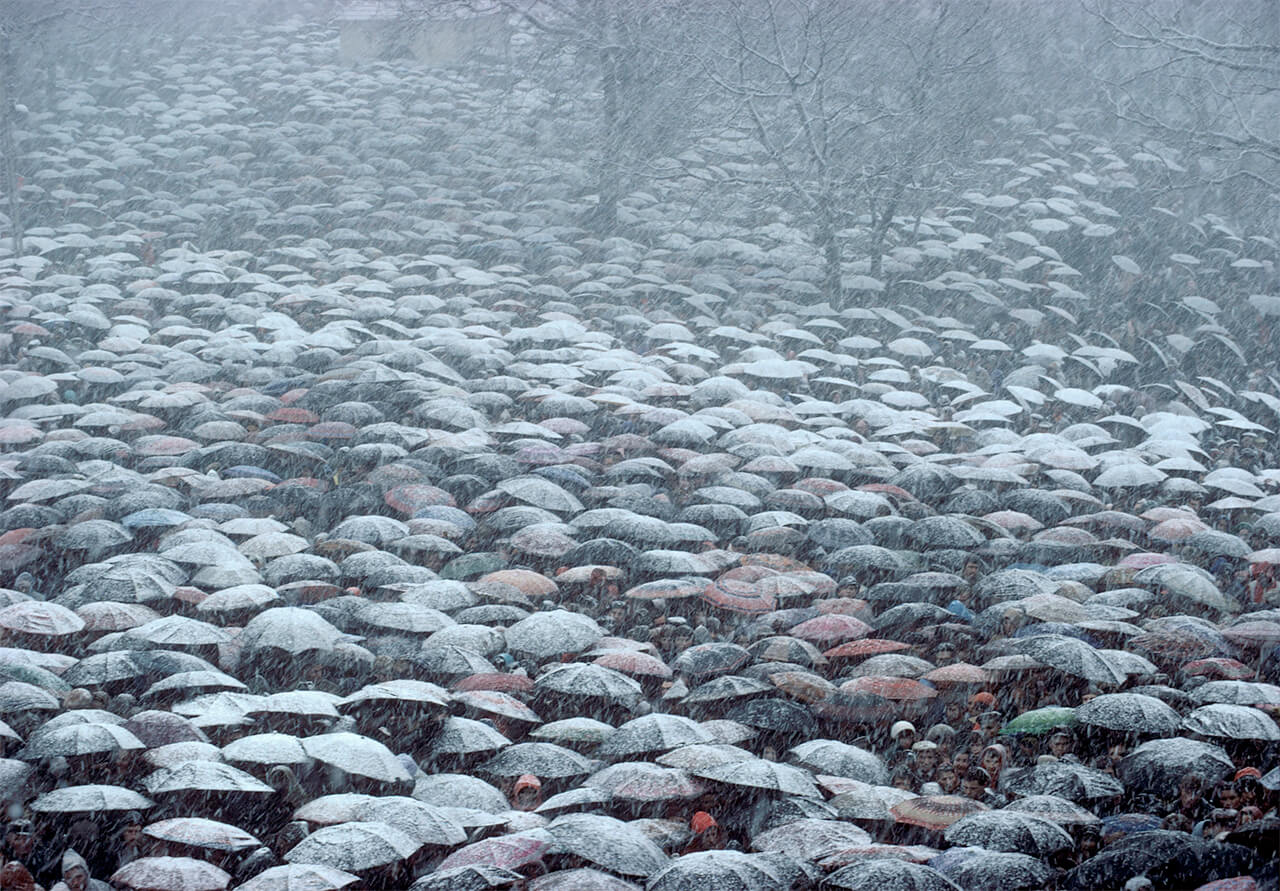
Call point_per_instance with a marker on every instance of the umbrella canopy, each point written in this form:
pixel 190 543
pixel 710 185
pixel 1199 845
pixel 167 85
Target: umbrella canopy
pixel 1010 831
pixel 609 843
pixel 301 877
pixel 198 832
pixel 171 874
pixel 890 875
pixel 354 846
pixel 1130 712
pixel 935 811
pixel 763 775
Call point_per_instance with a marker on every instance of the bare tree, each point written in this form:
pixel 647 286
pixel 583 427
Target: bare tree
pixel 1204 80
pixel 860 113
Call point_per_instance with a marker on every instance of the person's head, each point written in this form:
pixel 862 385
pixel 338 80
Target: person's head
pixel 75 872
pixel 953 712
pixel 1249 814
pixel 925 757
pixel 960 761
pixel 975 782
pixel 981 702
pixel 904 734
pixel 993 758
pixel 945 777
pixel 1090 841
pixel 944 654
pixel 527 793
pixel 970 571
pixel 1177 822
pixel 902 779
pixel 1190 789
pixel 16 877
pixel 1221 819
pixel 1227 796
pixel 131 828
pixel 1060 744
pixel 705 829
pixel 20 839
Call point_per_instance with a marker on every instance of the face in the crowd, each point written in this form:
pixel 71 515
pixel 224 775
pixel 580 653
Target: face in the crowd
pixel 21 844
pixel 926 761
pixel 948 780
pixel 76 880
pixel 972 788
pixel 1059 745
pixel 991 762
pixel 954 713
pixel 961 762
pixel 1228 797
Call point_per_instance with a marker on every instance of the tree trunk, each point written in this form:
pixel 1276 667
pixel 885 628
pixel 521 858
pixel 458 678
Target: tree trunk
pixel 608 174
pixel 832 260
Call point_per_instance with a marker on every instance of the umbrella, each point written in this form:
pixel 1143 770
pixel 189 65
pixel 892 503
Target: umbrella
pixel 809 839
pixel 831 757
pixel 548 634
pixel 1167 858
pixel 1064 779
pixel 545 760
pixel 889 875
pixel 588 680
pixel 935 811
pixel 1053 808
pixel 1002 872
pixel 1228 721
pixel 1009 831
pixel 642 781
pixel 1071 656
pixel 581 880
pixel 300 877
pixel 719 870
pixel 91 798
pixel 1040 721
pixel 354 846
pixel 170 874
pixel 467 878
pixel 1161 763
pixel 427 824
pixel 198 832
pixel 1131 712
pixel 653 733
pixel 204 776
pixel 506 851
pixel 356 755
pixel 609 843
pixel 759 774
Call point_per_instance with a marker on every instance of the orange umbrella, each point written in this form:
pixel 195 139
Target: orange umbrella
pixel 535 584
pixel 935 811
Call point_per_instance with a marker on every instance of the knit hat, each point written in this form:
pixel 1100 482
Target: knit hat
pixel 701 822
pixel 901 727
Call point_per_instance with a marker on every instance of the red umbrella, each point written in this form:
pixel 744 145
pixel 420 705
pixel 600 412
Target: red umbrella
pixel 506 851
pixel 738 597
pixel 1144 559
pixel 820 486
pixel 1220 668
pixel 332 430
pixel 500 704
pixel 287 415
pixel 497 682
pixel 890 688
pixel 751 573
pixel 888 489
pixel 775 561
pixel 935 811
pixel 831 629
pixel 414 497
pixel 959 673
pixel 1176 529
pixel 635 664
pixel 861 649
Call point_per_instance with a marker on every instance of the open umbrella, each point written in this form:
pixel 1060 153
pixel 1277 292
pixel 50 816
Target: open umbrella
pixel 935 811
pixel 1010 831
pixel 354 846
pixel 607 842
pixel 300 877
pixel 170 874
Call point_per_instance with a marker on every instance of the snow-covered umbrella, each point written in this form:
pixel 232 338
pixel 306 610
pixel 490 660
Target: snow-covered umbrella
pixel 355 846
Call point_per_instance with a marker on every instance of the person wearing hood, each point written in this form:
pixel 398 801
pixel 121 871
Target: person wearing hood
pixel 526 795
pixel 75 875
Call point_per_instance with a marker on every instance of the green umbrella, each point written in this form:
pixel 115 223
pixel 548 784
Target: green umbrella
pixel 470 566
pixel 1040 721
